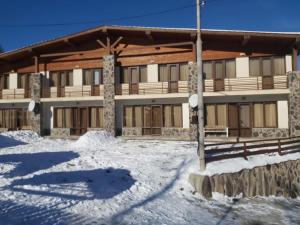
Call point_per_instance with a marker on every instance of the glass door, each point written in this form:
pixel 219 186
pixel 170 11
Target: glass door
pixel 245 120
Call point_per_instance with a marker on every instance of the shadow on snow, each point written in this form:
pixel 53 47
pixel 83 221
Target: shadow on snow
pixel 77 185
pixel 6 142
pixel 27 163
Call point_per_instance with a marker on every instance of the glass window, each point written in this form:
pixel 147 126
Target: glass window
pixel 207 70
pixel 163 73
pixel 279 66
pixel 174 73
pixel 143 71
pixel 254 64
pixel 184 72
pixel 230 69
pixel 135 76
pixel 271 116
pixel 219 69
pixel 258 111
pixel 210 115
pixel 168 116
pixel 177 115
pixel 266 67
pixel 222 115
pixel 128 114
pixel 138 116
pixel 87 77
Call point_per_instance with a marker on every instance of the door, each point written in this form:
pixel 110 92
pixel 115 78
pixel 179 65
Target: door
pixel 156 118
pixel 147 121
pixel 80 121
pixel 219 82
pixel 245 120
pixel 173 78
pixel 233 120
pixel 134 80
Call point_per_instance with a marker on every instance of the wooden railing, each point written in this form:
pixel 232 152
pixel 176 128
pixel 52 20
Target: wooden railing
pixel 15 94
pixel 152 88
pixel 73 91
pixel 247 84
pixel 283 146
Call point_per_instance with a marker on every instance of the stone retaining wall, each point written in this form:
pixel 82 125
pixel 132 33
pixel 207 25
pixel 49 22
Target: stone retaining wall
pixel 282 179
pixel 178 133
pixel 294 103
pixel 60 132
pixel 132 131
pixel 270 133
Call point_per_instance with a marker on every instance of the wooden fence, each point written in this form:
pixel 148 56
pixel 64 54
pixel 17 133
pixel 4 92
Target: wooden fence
pixel 229 150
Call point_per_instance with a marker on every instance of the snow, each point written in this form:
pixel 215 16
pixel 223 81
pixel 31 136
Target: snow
pixel 100 179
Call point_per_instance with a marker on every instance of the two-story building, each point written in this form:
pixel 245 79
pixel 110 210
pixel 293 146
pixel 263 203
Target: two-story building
pixel 136 81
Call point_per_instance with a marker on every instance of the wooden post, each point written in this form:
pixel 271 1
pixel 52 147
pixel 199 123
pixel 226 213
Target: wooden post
pixel 245 151
pixel 36 64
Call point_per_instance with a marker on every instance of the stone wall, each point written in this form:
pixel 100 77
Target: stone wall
pixel 35 117
pixel 178 133
pixel 132 131
pixel 192 87
pixel 270 132
pixel 109 93
pixel 294 103
pixel 94 129
pixel 282 179
pixel 60 132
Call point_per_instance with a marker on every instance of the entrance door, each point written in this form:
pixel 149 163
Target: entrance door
pixel 245 120
pixel 233 120
pixel 219 82
pixel 80 121
pixel 152 120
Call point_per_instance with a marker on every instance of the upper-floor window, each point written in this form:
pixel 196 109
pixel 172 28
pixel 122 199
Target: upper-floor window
pixel 267 66
pixel 134 74
pixel 24 81
pixel 219 69
pixel 173 72
pixel 92 77
pixel 4 81
pixel 61 78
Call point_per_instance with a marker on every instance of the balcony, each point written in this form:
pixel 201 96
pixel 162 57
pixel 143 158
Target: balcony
pixel 73 91
pixel 15 94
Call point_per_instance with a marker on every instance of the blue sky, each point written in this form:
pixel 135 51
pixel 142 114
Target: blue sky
pixel 263 15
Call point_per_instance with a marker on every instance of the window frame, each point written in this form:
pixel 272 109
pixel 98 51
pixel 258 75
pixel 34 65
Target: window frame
pixel 4 81
pixel 264 114
pixel 59 78
pixel 214 68
pixel 93 77
pixel 130 68
pixel 169 65
pixel 261 58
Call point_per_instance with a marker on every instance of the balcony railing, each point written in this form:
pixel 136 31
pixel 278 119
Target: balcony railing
pixel 15 94
pixel 246 84
pixel 73 91
pixel 152 88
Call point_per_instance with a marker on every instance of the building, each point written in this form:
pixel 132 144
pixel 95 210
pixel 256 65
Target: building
pixel 136 81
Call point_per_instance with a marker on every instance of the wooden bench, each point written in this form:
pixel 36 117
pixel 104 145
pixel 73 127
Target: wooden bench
pixel 217 129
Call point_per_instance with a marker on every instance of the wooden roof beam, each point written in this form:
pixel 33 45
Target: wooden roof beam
pixel 116 42
pixel 70 43
pixel 246 39
pixel 101 43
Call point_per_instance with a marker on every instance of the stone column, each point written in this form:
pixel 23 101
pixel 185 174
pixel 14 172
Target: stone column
pixel 109 93
pixel 35 117
pixel 294 103
pixel 192 87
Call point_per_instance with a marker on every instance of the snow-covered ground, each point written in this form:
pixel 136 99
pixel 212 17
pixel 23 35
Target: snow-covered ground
pixel 102 180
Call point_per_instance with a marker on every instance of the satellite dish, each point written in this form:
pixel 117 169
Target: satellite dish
pixel 31 106
pixel 193 100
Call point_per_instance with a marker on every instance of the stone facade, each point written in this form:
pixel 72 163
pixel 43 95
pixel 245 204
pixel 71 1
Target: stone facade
pixel 60 132
pixel 270 133
pixel 280 179
pixel 192 87
pixel 35 117
pixel 178 133
pixel 94 129
pixel 109 106
pixel 132 131
pixel 294 103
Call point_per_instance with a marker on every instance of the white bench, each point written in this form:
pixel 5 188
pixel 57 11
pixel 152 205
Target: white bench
pixel 222 130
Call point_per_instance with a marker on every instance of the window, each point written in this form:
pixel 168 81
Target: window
pixel 216 115
pixel 173 72
pixel 172 116
pixel 4 81
pixel 96 117
pixel 265 115
pixel 134 74
pixel 92 77
pixel 61 78
pixel 13 118
pixel 219 69
pixel 24 81
pixel 133 116
pixel 267 66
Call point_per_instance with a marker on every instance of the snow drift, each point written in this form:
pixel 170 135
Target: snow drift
pixel 95 140
pixel 14 138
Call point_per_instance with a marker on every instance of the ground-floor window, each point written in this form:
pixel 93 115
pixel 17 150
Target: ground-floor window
pixel 216 115
pixel 78 118
pixel 152 116
pixel 14 119
pixel 265 115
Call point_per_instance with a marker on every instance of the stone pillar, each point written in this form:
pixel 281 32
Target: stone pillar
pixel 35 117
pixel 294 103
pixel 109 93
pixel 192 87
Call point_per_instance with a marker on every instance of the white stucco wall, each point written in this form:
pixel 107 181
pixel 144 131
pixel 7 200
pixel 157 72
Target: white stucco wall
pixel 13 80
pixel 288 63
pixel 152 73
pixel 77 77
pixel 242 67
pixel 51 115
pixel 283 120
pixel 185 115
